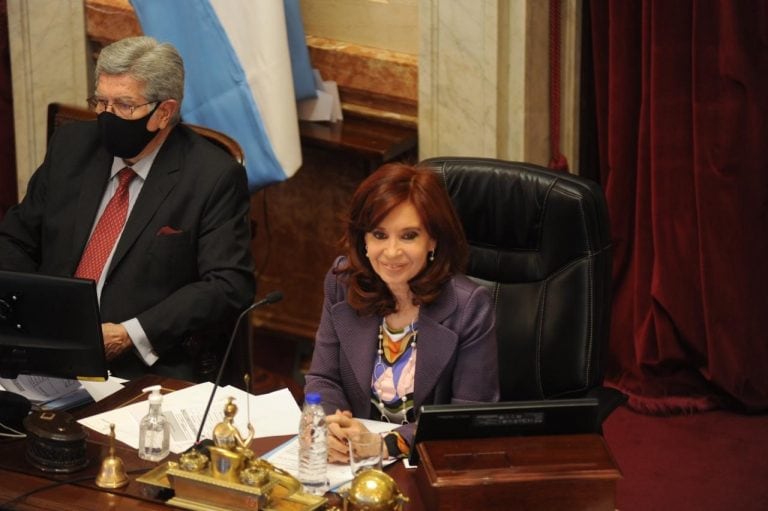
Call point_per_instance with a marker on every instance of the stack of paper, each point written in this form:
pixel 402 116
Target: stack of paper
pixel 286 456
pixel 271 414
pixel 47 393
pixel 59 393
pixel 326 106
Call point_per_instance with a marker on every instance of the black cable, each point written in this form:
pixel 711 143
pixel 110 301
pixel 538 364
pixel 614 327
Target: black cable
pixel 267 229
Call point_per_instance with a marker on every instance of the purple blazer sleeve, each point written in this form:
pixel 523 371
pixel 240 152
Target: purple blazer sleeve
pixel 324 376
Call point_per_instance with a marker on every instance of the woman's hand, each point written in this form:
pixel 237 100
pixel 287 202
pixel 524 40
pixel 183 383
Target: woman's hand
pixel 340 426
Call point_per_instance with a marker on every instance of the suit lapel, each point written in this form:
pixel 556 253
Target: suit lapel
pixel 162 177
pixel 435 340
pixel 436 345
pixel 357 338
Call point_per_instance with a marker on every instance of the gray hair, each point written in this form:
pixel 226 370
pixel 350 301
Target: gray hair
pixel 157 65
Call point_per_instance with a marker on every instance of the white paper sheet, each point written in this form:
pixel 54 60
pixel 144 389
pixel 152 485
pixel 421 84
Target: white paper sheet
pixel 42 389
pixel 101 389
pixel 39 389
pixel 326 106
pixel 59 393
pixel 271 414
pixel 286 456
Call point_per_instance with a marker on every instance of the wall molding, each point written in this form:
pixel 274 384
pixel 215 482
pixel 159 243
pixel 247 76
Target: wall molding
pixel 373 83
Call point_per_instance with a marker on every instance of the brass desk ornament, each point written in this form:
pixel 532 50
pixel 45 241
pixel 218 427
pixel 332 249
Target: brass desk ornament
pixel 225 433
pixel 227 475
pixel 112 473
pixel 193 461
pixel 373 490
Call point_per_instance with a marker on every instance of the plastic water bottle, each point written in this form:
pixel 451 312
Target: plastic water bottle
pixel 313 446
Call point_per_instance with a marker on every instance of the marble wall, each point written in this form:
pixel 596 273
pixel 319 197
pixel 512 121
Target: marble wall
pixel 384 24
pixel 49 63
pixel 373 82
pixel 475 81
pixel 484 79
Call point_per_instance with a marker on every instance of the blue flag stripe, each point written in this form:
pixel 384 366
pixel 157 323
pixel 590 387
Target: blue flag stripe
pixel 303 78
pixel 217 94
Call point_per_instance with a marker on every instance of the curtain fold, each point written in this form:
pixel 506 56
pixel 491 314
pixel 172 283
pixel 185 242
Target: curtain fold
pixel 682 116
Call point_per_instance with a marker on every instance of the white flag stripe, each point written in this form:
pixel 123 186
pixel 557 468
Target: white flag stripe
pixel 239 75
pixel 258 34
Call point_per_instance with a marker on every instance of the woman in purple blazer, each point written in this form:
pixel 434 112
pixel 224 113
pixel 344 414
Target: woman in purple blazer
pixel 401 326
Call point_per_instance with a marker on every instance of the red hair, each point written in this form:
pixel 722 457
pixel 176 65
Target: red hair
pixel 389 186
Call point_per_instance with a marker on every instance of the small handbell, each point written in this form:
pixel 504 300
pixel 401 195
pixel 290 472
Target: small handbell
pixel 112 473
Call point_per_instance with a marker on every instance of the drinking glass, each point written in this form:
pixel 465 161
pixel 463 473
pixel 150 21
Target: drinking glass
pixel 365 451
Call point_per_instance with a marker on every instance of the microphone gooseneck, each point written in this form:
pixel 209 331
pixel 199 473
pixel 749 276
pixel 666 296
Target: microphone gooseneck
pixel 273 297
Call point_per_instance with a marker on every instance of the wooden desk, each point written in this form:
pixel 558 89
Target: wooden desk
pixel 77 492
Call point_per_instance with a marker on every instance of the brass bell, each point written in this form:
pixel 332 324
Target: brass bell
pixel 373 490
pixel 112 473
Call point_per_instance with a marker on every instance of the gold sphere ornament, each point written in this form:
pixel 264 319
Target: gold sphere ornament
pixel 373 490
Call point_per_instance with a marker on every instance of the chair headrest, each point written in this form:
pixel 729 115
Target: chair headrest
pixel 523 221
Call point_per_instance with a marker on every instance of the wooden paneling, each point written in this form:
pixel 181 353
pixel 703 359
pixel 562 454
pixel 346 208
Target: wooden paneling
pixel 298 223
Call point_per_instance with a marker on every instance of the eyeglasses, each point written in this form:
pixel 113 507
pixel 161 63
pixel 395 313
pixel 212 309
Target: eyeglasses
pixel 122 109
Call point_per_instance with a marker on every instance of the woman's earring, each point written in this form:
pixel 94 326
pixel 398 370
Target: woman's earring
pixel 431 256
pixel 366 251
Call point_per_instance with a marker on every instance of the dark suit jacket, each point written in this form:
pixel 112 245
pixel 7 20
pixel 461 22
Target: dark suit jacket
pixel 183 262
pixel 457 357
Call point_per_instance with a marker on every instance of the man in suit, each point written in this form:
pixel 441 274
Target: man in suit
pixel 167 242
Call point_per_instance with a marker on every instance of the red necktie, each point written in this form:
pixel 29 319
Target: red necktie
pixel 107 229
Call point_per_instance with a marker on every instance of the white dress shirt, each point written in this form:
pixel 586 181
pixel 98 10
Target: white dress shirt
pixel 141 168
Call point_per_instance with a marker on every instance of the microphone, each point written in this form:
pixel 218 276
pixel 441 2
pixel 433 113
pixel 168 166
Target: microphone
pixel 273 297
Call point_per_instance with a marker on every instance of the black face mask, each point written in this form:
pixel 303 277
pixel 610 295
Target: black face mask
pixel 125 138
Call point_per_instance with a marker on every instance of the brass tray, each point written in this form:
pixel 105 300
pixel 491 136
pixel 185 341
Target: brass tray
pixel 202 492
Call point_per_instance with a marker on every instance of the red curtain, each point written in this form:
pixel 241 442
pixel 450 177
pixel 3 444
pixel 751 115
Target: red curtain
pixel 682 118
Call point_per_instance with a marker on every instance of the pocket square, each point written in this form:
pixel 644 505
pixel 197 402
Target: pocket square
pixel 167 230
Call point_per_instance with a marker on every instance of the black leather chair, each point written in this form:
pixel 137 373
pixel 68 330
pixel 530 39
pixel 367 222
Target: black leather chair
pixel 539 240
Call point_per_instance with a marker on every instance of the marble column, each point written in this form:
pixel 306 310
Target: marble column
pixel 484 79
pixel 48 64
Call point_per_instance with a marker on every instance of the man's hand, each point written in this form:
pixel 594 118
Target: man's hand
pixel 340 426
pixel 116 339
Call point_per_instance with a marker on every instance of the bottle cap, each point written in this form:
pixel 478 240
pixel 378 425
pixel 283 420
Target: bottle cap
pixel 313 398
pixel 155 398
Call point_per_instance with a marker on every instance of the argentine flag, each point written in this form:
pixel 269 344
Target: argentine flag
pixel 239 77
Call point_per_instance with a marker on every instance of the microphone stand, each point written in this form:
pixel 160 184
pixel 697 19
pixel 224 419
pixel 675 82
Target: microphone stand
pixel 273 297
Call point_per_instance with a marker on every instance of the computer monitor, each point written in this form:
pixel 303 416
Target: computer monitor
pixel 513 418
pixel 50 326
